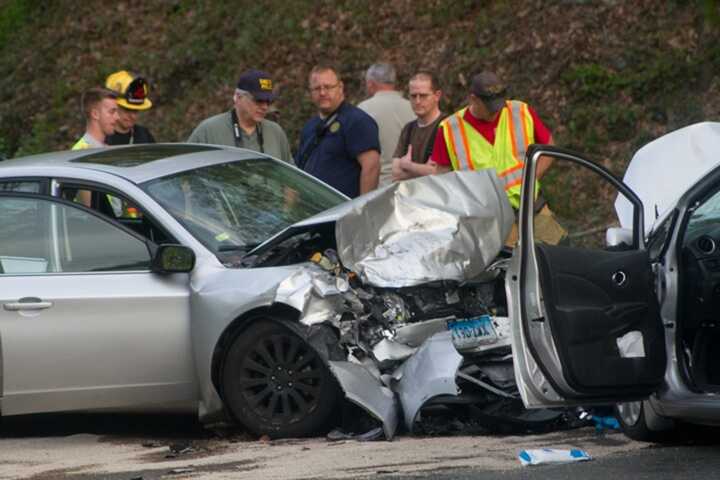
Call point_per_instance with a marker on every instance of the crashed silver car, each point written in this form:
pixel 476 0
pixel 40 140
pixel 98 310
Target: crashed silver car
pixel 629 317
pixel 171 275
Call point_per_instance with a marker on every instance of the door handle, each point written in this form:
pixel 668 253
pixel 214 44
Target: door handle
pixel 619 278
pixel 27 303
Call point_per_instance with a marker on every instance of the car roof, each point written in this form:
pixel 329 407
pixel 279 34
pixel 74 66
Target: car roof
pixel 137 163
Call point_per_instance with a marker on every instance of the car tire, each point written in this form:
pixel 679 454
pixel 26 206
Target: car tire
pixel 639 422
pixel 274 383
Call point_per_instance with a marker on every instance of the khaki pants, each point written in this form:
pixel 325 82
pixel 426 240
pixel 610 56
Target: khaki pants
pixel 545 227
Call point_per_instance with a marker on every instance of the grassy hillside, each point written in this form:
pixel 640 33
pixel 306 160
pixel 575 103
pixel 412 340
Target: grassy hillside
pixel 606 75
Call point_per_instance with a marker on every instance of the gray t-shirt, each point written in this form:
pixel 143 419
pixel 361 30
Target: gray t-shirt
pixel 391 112
pixel 218 130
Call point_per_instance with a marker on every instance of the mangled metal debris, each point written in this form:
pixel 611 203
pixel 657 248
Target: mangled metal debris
pixel 413 302
pixel 428 374
pixel 366 391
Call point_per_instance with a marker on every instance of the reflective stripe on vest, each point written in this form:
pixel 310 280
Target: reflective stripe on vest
pixel 469 150
pixel 458 138
pixel 518 131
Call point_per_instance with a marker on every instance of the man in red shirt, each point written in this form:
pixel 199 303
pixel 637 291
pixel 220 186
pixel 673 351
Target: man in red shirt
pixel 492 132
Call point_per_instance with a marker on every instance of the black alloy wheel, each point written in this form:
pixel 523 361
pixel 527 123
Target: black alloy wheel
pixel 275 384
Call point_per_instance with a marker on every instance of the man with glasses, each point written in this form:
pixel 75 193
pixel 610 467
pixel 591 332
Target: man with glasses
pixel 418 136
pixel 340 145
pixel 245 124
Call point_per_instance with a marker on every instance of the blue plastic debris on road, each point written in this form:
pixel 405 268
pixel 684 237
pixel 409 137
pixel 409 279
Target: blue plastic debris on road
pixel 605 423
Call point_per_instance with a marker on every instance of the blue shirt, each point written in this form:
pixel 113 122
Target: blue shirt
pixel 329 152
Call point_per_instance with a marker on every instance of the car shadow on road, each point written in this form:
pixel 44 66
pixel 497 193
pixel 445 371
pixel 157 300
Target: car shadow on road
pixel 104 424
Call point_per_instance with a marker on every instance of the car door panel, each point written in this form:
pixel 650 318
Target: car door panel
pixel 108 340
pixel 589 310
pixel 586 325
pixel 105 339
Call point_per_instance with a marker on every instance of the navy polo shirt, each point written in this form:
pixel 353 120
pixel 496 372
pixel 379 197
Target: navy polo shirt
pixel 334 157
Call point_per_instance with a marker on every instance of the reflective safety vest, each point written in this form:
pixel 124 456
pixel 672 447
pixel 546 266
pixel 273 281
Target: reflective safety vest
pixel 87 141
pixel 469 150
pixel 81 144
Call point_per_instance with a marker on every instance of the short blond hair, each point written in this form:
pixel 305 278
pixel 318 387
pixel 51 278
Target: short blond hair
pixel 92 97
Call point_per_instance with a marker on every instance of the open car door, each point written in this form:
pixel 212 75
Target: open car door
pixel 586 326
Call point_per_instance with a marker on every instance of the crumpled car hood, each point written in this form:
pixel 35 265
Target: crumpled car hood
pixel 439 227
pixel 676 161
pixel 448 227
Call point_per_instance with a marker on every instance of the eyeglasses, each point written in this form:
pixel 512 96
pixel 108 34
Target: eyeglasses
pixel 323 88
pixel 419 96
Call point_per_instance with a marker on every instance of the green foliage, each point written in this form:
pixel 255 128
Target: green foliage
pixel 39 140
pixel 620 123
pixel 648 74
pixel 443 13
pixel 663 75
pixel 13 15
pixel 711 10
pixel 3 149
pixel 591 126
pixel 591 81
pixel 607 104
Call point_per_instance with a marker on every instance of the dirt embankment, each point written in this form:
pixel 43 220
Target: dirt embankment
pixel 606 75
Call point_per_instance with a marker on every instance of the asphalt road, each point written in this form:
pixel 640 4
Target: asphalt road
pixel 666 462
pixel 148 447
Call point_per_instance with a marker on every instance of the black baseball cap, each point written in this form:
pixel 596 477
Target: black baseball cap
pixel 258 84
pixel 490 89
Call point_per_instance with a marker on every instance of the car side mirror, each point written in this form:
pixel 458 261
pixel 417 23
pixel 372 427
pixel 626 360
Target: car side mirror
pixel 173 259
pixel 619 237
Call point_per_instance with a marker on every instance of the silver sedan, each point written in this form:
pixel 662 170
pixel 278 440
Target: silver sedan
pixel 227 281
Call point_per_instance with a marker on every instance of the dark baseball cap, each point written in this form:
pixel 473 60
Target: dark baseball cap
pixel 490 89
pixel 258 84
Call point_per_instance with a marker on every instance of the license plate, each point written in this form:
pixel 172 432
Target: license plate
pixel 472 332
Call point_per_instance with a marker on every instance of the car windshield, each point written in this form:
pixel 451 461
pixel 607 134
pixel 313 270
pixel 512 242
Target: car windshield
pixel 235 206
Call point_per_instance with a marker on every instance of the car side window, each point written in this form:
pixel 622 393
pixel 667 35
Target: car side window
pixel 44 236
pixel 117 208
pixel 583 203
pixel 24 234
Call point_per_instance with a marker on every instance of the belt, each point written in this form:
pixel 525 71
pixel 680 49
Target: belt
pixel 540 202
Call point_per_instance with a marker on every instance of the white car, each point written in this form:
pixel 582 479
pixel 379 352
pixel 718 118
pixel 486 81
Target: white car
pixel 632 321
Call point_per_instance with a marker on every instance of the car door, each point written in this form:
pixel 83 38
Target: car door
pixel 84 323
pixel 586 325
